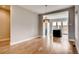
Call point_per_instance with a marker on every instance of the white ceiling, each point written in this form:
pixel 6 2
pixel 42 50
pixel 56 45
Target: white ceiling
pixel 39 9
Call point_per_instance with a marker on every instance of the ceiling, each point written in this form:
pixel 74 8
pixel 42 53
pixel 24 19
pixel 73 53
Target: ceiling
pixel 40 9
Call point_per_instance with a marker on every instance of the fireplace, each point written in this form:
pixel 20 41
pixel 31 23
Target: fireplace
pixel 57 33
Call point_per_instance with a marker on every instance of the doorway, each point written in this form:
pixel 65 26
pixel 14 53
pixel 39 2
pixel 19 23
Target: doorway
pixel 4 25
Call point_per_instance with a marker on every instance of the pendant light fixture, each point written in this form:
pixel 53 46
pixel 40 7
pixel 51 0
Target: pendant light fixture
pixel 45 11
pixel 45 18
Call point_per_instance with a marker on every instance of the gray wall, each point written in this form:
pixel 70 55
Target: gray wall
pixel 71 23
pixel 24 24
pixel 40 25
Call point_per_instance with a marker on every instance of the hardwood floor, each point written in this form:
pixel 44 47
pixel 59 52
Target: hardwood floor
pixel 36 46
pixel 4 42
pixel 32 46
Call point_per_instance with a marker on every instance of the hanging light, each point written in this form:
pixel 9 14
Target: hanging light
pixel 45 11
pixel 45 18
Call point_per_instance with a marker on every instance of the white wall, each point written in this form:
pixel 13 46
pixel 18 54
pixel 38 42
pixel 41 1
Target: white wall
pixel 24 24
pixel 77 28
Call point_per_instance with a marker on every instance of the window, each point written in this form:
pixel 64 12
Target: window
pixel 59 23
pixel 54 23
pixel 65 23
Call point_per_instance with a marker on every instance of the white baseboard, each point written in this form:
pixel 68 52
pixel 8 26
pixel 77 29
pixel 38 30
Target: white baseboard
pixel 14 43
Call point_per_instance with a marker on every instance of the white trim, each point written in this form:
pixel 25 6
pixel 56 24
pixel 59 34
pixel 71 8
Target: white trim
pixel 14 43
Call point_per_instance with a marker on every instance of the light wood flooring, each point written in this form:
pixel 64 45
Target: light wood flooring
pixel 36 46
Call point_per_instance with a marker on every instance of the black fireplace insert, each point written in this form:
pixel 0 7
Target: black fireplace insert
pixel 57 33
